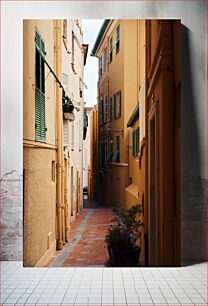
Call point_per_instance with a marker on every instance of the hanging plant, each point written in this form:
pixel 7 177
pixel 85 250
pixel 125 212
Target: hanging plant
pixel 68 106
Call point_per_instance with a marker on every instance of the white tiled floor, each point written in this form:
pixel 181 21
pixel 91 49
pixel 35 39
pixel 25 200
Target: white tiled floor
pixel 103 286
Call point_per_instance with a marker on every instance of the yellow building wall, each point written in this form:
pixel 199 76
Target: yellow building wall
pixel 123 76
pixel 135 191
pixel 39 207
pixel 130 77
pixel 39 186
pixel 45 28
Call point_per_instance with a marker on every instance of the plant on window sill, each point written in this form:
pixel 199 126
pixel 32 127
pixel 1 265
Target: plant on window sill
pixel 67 104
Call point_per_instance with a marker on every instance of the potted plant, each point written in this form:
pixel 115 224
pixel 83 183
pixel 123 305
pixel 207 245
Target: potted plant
pixel 68 107
pixel 122 236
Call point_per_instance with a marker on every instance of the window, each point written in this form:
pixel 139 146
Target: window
pixel 100 112
pixel 111 49
pixel 135 140
pixel 105 109
pixel 105 59
pixel 103 154
pixel 111 109
pixel 80 88
pixel 117 38
pixel 65 34
pixel 74 54
pixel 101 65
pixel 117 155
pixel 53 171
pixel 40 128
pixel 110 155
pixel 73 47
pixel 72 136
pixel 117 105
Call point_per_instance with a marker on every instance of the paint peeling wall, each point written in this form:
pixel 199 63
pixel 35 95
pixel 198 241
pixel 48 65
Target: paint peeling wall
pixel 11 210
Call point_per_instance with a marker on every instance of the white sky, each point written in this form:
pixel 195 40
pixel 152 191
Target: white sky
pixel 91 28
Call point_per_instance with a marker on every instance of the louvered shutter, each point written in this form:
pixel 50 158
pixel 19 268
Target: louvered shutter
pixel 111 109
pixel 114 106
pixel 40 121
pixel 119 104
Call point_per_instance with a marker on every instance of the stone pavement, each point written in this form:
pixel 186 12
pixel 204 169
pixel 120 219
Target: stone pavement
pixel 103 286
pixel 86 246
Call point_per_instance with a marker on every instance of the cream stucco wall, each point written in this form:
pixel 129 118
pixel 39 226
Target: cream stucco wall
pixel 74 130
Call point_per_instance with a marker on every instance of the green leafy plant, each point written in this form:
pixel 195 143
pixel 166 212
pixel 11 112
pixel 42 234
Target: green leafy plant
pixel 68 106
pixel 126 229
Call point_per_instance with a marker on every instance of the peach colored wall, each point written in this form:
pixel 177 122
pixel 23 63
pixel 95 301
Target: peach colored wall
pixel 45 28
pixel 39 188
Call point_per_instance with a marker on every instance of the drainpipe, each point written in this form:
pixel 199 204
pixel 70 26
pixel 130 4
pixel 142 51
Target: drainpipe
pixel 146 212
pixel 63 207
pixel 57 25
pixel 66 199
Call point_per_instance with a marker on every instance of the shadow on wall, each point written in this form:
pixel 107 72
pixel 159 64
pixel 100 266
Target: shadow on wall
pixel 194 196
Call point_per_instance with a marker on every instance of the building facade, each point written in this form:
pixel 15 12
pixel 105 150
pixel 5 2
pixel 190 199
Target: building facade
pixel 139 129
pixel 86 146
pixel 74 54
pixel 117 95
pixel 163 128
pixel 48 158
pixel 94 158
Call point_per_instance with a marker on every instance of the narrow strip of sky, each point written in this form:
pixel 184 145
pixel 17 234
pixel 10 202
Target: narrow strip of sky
pixel 91 28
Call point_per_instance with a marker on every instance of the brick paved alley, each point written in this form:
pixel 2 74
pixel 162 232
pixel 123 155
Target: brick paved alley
pixel 86 246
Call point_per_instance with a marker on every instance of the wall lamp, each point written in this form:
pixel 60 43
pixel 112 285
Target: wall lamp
pixel 114 131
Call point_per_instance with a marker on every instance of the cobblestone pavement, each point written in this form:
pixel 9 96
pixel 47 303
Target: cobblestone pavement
pixel 86 246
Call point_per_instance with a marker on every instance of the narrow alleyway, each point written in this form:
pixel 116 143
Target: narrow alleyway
pixel 86 246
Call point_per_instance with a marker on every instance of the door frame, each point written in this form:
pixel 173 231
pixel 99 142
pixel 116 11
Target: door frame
pixel 153 221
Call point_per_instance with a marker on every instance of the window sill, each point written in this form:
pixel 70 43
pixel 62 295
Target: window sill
pixel 118 164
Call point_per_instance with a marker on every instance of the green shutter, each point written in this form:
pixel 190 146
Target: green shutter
pixel 138 140
pixel 111 109
pixel 101 65
pixel 119 103
pixel 111 44
pixel 134 143
pixel 118 33
pixel 105 58
pixel 40 121
pixel 40 128
pixel 117 157
pixel 37 39
pixel 114 105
